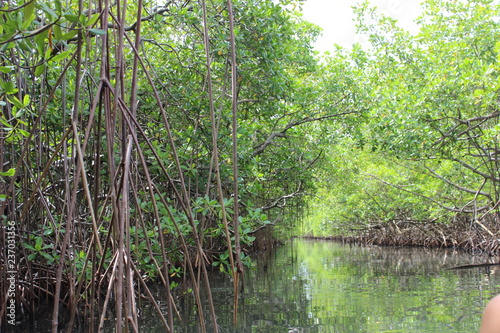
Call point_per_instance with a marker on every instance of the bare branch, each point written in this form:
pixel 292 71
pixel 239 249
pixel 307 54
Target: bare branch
pixel 476 171
pixel 283 198
pixel 159 11
pixel 259 149
pixel 430 199
pixel 461 188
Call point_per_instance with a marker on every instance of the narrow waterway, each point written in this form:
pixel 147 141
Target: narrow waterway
pixel 322 286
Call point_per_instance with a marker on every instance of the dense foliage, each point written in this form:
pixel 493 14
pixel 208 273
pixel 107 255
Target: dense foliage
pixel 148 141
pixel 143 141
pixel 427 148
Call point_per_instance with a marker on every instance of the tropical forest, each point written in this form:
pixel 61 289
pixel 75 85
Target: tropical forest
pixel 147 145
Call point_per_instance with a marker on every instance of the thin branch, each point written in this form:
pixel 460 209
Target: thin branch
pixel 259 149
pixel 428 198
pixel 283 198
pixel 234 107
pixel 461 188
pixel 475 170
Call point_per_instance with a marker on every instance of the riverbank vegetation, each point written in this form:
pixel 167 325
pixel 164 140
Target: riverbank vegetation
pixel 149 142
pixel 422 166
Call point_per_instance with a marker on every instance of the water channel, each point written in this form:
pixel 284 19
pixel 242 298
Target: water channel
pixel 321 286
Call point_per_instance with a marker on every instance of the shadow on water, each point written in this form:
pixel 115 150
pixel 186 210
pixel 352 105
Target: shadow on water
pixel 321 286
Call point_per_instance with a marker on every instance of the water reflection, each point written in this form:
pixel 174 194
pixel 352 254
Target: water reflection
pixel 320 286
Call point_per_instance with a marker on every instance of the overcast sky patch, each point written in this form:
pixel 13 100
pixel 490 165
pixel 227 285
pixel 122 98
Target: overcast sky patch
pixel 336 18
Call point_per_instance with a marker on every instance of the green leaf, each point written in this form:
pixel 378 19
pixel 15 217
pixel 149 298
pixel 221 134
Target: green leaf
pixel 92 20
pixel 478 92
pixel 60 56
pixel 24 133
pixel 48 232
pixel 29 247
pixel 38 243
pixel 14 100
pixel 40 41
pixel 57 4
pixel 29 9
pixel 47 10
pixel 48 53
pixel 6 37
pixel 26 100
pixel 27 21
pixel 69 35
pixel 98 31
pixel 22 122
pixel 47 256
pixel 19 21
pixel 39 70
pixel 9 88
pixel 5 69
pixel 7 125
pixel 72 18
pixel 11 172
pixel 57 32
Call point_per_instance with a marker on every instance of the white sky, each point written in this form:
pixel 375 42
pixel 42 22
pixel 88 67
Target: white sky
pixel 336 18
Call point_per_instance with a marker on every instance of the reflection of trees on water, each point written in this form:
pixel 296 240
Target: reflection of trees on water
pixel 381 288
pixel 316 286
pixel 274 299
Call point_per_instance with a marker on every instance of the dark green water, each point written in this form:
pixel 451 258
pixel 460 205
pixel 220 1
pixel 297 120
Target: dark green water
pixel 320 286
